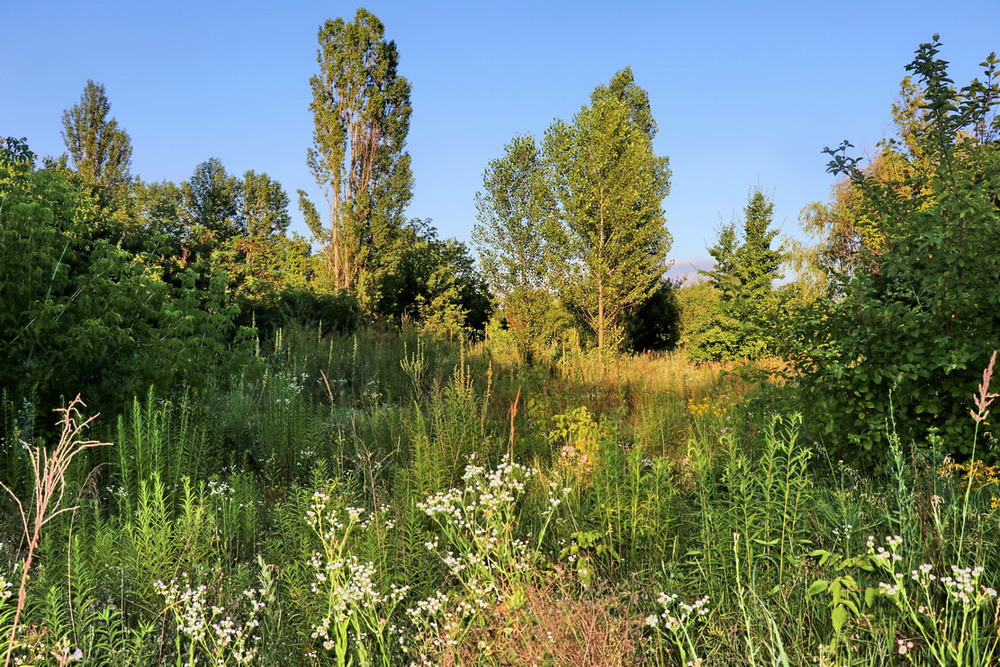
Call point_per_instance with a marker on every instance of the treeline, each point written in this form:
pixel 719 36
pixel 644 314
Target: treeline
pixel 112 283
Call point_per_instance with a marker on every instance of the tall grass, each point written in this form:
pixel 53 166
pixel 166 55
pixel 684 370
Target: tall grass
pixel 384 499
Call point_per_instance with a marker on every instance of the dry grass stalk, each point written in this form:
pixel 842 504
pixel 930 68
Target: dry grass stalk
pixel 983 398
pixel 555 627
pixel 50 470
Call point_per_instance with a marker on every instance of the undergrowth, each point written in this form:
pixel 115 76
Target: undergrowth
pixel 384 499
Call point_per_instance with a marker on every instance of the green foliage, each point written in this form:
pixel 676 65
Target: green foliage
pixel 448 430
pixel 361 113
pixel 301 307
pixel 535 325
pixel 209 208
pixel 432 283
pixel 518 221
pixel 706 328
pixel 752 512
pixel 162 437
pixel 100 151
pixel 609 185
pixel 158 227
pixel 262 206
pixel 736 319
pixel 580 218
pixel 80 312
pixel 655 324
pixel 906 340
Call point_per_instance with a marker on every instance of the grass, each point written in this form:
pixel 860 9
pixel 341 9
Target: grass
pixel 383 499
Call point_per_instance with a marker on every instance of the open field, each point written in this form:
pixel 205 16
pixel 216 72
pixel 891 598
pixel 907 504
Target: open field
pixel 384 499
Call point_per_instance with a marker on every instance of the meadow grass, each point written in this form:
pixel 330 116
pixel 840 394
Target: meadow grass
pixel 384 499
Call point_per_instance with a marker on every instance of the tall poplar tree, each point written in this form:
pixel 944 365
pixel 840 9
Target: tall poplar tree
pixel 361 110
pixel 99 149
pixel 517 237
pixel 516 215
pixel 610 185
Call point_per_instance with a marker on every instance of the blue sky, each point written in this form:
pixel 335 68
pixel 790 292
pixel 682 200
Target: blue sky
pixel 745 93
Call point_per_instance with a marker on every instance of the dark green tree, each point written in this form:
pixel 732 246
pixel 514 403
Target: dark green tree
pixel 361 113
pixel 434 284
pixel 99 150
pixel 655 325
pixel 904 346
pixel 741 326
pixel 610 185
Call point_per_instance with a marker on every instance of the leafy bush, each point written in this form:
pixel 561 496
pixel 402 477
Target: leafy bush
pixel 906 340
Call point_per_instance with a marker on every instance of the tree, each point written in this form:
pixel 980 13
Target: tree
pixel 433 283
pixel 655 325
pixel 610 185
pixel 256 257
pixel 517 237
pixel 517 220
pixel 740 323
pixel 757 267
pixel 904 345
pixel 210 208
pixel 262 206
pixel 99 150
pixel 361 111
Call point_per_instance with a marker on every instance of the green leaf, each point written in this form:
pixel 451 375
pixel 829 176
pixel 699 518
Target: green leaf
pixel 839 617
pixel 817 587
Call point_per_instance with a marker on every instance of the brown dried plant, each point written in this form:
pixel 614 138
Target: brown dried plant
pixel 49 468
pixel 982 399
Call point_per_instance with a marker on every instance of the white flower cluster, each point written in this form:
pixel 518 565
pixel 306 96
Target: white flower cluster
pixel 477 545
pixel 676 614
pixel 478 522
pixel 964 586
pixel 217 488
pixel 348 584
pixel 5 591
pixel 438 622
pixel 484 493
pixel 210 626
pixel 844 532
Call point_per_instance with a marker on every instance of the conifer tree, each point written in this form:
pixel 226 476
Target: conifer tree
pixel 746 267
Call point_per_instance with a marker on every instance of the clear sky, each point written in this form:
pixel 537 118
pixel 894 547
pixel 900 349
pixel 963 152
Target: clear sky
pixel 745 93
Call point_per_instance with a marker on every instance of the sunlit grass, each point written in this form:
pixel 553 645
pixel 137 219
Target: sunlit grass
pixel 378 499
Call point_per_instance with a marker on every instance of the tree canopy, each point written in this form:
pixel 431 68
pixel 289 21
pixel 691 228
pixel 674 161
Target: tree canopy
pixel 610 186
pixel 361 113
pixel 99 150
